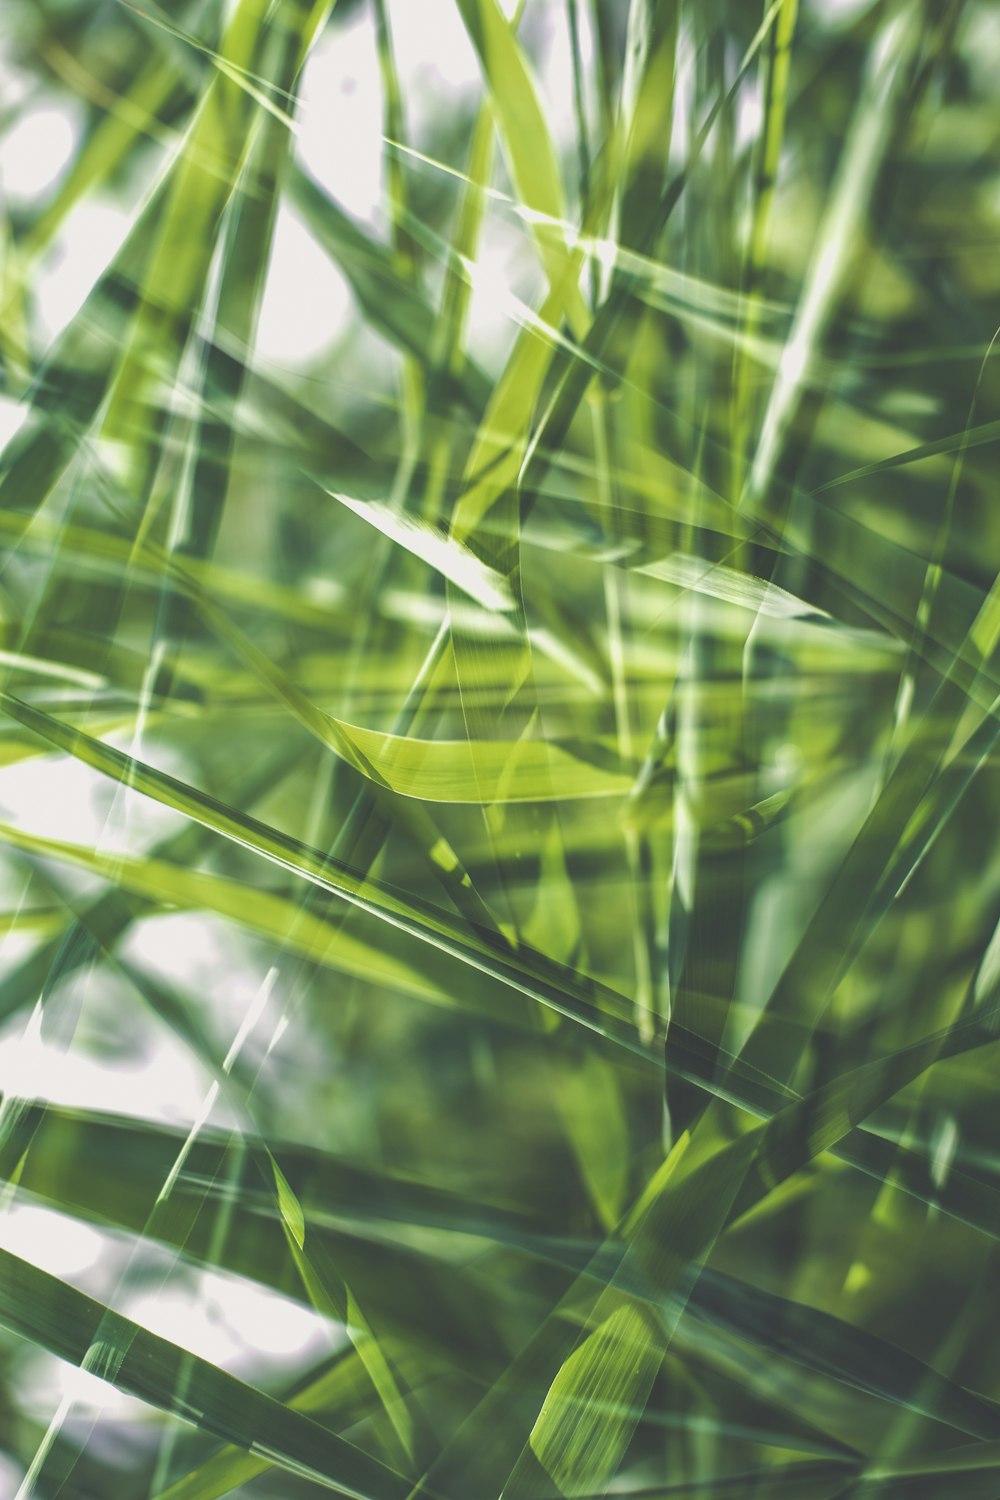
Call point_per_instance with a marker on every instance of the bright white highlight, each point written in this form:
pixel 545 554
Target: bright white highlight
pixel 307 304
pixel 35 152
pixel 340 120
pixel 55 1243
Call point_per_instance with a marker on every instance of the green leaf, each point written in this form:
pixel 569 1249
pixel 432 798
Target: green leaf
pixel 74 1327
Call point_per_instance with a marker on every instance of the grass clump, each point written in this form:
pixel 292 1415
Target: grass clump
pixel 497 811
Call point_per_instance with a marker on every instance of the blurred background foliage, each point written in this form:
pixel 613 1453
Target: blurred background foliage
pixel 500 653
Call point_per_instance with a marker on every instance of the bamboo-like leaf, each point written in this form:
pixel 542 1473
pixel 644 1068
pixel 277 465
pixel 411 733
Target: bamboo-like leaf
pixel 78 1329
pixel 499 676
pixel 531 153
pixel 446 555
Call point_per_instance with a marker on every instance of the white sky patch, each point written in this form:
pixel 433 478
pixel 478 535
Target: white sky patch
pixel 162 1083
pixel 54 797
pixel 307 303
pixel 434 56
pixel 91 236
pixel 49 1384
pixel 231 1322
pixel 260 1321
pixel 54 1242
pixel 193 950
pixel 501 255
pixel 57 797
pixel 173 1313
pixel 36 150
pixel 200 954
pixel 12 418
pixel 121 1060
pixel 340 118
